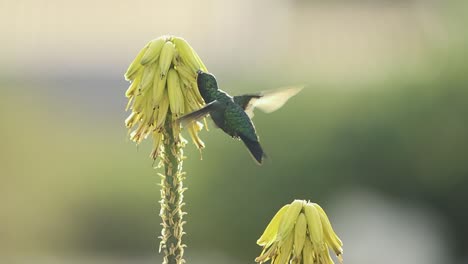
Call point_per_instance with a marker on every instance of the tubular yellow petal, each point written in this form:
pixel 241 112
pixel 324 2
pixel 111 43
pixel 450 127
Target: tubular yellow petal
pixel 162 111
pixel 139 103
pixel 285 250
pixel 196 92
pixel 165 60
pixel 190 100
pixel 314 225
pixel 191 97
pixel 206 124
pixel 340 258
pixel 325 257
pixel 269 235
pixel 267 253
pixel 135 65
pixel 176 97
pixel 129 103
pixel 332 239
pixel 149 109
pixel 157 139
pixel 130 121
pixel 134 85
pixel 159 86
pixel 186 53
pixel 300 232
pixel 148 77
pixel 176 58
pixel 137 135
pixel 133 136
pixel 289 219
pixel 142 107
pixel 193 130
pixel 186 73
pixel 154 118
pixel 153 51
pixel 308 252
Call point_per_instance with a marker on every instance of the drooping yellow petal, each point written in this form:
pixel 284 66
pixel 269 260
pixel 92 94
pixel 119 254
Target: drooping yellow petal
pixel 300 233
pixel 285 250
pixel 308 252
pixel 314 225
pixel 193 130
pixel 135 65
pixel 138 103
pixel 186 73
pixel 163 109
pixel 131 119
pixel 165 59
pixel 157 139
pixel 196 92
pixel 159 86
pixel 267 253
pixel 324 257
pixel 186 53
pixel 134 85
pixel 176 97
pixel 269 235
pixel 153 51
pixel 148 77
pixel 289 219
pixel 191 103
pixel 332 239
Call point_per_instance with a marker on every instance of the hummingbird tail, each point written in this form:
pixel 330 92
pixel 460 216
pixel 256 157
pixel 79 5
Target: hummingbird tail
pixel 254 148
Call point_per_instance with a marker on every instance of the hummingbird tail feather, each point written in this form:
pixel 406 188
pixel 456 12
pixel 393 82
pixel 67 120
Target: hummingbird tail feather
pixel 255 149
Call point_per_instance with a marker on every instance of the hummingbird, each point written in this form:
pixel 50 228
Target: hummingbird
pixel 234 114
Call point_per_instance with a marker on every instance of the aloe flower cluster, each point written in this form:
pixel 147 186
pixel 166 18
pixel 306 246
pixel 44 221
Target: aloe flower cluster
pixel 299 233
pixel 163 88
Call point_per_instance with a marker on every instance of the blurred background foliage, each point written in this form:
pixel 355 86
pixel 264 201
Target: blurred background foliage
pixel 379 136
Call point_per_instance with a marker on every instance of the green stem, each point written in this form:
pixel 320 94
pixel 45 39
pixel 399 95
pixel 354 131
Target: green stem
pixel 172 198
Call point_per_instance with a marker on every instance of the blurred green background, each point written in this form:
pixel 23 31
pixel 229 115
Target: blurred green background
pixel 379 136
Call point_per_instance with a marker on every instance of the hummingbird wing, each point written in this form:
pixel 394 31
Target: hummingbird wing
pixel 267 101
pixel 200 113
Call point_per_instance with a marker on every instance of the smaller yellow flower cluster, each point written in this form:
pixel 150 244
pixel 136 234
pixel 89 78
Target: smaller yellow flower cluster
pixel 299 233
pixel 163 87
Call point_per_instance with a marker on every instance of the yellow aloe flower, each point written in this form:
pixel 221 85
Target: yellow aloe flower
pixel 163 88
pixel 300 233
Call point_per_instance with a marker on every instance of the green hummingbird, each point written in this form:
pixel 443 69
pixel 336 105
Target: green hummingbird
pixel 234 114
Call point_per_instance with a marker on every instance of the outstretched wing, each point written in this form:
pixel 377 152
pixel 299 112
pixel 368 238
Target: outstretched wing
pixel 267 101
pixel 199 114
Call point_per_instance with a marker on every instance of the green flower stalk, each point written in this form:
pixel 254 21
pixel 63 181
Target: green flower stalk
pixel 300 233
pixel 163 88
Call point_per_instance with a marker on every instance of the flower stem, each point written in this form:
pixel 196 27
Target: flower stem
pixel 172 197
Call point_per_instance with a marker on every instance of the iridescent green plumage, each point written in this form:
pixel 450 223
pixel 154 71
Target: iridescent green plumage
pixel 233 114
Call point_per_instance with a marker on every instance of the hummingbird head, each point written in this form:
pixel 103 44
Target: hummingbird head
pixel 206 83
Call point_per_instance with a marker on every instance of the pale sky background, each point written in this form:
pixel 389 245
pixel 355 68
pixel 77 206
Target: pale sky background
pixel 355 40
